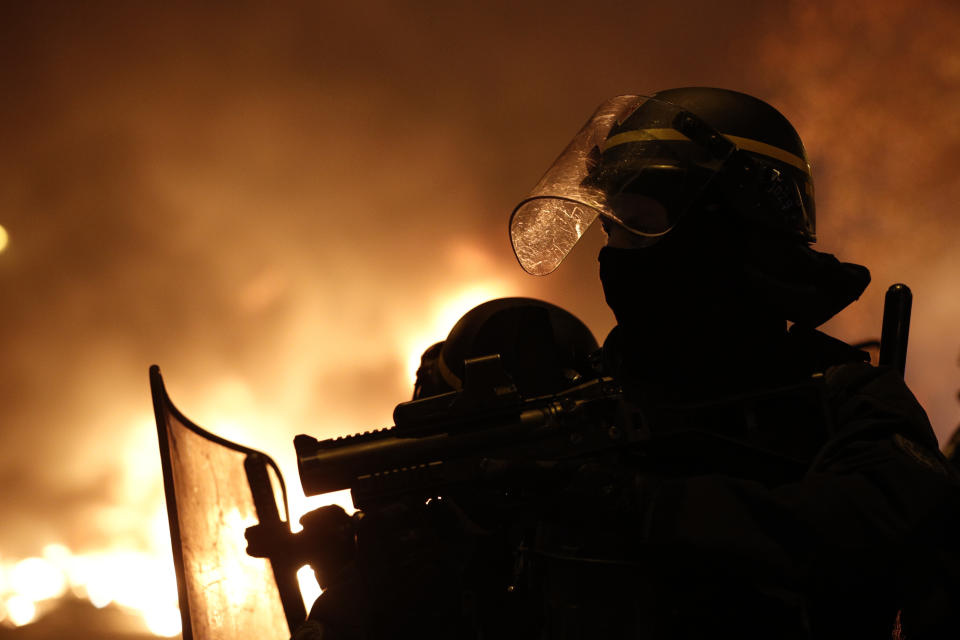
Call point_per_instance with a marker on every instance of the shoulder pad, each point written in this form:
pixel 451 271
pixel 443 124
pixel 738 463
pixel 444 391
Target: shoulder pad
pixel 877 397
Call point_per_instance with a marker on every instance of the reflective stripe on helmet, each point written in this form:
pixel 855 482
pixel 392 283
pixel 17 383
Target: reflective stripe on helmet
pixel 754 146
pixel 764 149
pixel 642 135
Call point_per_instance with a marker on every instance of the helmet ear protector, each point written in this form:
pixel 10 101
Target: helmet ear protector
pixel 642 163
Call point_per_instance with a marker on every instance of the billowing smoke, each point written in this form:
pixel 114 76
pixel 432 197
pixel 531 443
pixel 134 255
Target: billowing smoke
pixel 874 89
pixel 281 207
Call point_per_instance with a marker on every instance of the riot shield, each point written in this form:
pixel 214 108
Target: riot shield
pixel 215 490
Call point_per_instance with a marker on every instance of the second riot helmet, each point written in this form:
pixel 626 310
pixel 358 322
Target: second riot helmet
pixel 543 347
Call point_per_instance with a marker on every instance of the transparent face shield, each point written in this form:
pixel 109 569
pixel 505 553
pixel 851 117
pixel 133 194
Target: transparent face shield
pixel 639 162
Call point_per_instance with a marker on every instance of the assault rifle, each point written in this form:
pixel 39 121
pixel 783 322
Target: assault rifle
pixel 487 434
pixel 447 440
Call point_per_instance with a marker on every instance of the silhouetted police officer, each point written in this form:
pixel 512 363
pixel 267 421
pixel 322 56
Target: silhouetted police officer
pixel 789 489
pixel 786 488
pixel 410 570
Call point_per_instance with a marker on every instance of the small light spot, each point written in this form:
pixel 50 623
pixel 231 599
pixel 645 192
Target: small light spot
pixel 4 238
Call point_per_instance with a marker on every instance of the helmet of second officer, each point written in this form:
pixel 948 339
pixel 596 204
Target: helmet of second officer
pixel 543 347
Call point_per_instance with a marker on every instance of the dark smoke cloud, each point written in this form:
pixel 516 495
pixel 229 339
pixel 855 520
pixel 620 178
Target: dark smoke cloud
pixel 266 201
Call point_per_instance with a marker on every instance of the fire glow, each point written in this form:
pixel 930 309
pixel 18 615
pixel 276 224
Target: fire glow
pixel 288 233
pixel 445 314
pixel 142 581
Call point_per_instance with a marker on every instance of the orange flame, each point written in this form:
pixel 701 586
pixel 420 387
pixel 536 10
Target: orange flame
pixel 142 580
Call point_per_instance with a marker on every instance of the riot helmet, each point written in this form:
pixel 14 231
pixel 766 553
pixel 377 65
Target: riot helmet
pixel 644 162
pixel 543 347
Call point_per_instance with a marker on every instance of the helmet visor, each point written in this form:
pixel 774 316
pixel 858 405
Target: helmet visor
pixel 639 162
